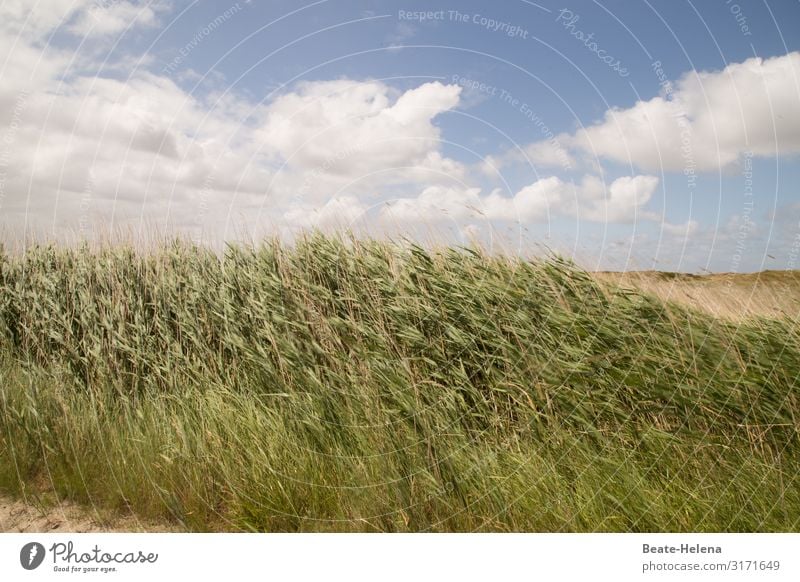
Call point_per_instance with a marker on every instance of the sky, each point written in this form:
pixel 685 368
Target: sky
pixel 623 134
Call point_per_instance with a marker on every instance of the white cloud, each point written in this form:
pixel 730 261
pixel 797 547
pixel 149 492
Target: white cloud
pixel 706 121
pixel 34 20
pixel 83 148
pixel 531 204
pixel 685 230
pixel 112 17
pixel 338 214
pixel 351 128
pixel 435 203
pixel 78 147
pixel 551 154
pixel 621 201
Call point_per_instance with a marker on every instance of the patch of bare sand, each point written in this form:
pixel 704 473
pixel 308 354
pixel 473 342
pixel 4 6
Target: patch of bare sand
pixel 17 516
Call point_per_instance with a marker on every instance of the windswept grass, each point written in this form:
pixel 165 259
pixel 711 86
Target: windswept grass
pixel 367 386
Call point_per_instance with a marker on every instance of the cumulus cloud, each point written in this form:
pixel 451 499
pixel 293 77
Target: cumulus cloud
pixel 621 201
pixel 82 148
pixel 337 214
pixel 350 128
pixel 112 17
pixel 34 20
pixel 145 139
pixel 435 203
pixel 546 154
pixel 79 148
pixel 706 120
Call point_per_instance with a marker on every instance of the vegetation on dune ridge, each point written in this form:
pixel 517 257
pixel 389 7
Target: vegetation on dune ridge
pixel 369 386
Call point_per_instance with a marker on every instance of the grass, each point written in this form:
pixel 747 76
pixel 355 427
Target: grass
pixel 343 385
pixel 735 296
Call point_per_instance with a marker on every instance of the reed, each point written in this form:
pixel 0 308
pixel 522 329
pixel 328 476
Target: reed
pixel 357 385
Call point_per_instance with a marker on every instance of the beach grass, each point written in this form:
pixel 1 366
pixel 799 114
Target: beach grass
pixel 338 384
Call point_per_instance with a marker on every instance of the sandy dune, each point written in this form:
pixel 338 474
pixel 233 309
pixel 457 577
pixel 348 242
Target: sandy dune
pixel 16 516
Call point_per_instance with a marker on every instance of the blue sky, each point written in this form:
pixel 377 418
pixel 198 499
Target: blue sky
pixel 628 135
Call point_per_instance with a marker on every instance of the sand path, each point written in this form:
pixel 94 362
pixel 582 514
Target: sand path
pixel 19 517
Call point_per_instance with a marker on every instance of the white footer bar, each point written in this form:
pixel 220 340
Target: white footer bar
pixel 354 557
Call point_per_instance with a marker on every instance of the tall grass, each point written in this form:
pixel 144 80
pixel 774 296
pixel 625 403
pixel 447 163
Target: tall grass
pixel 370 386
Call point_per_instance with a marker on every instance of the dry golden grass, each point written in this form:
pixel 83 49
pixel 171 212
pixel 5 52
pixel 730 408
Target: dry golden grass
pixel 731 295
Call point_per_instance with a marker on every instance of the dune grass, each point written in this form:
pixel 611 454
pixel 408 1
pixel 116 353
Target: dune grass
pixel 343 385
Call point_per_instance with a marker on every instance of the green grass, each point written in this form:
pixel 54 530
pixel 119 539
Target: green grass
pixel 365 386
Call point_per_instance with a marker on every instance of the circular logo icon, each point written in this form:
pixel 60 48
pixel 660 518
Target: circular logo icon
pixel 31 555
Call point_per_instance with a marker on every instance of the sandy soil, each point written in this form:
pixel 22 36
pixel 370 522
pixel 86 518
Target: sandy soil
pixel 19 517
